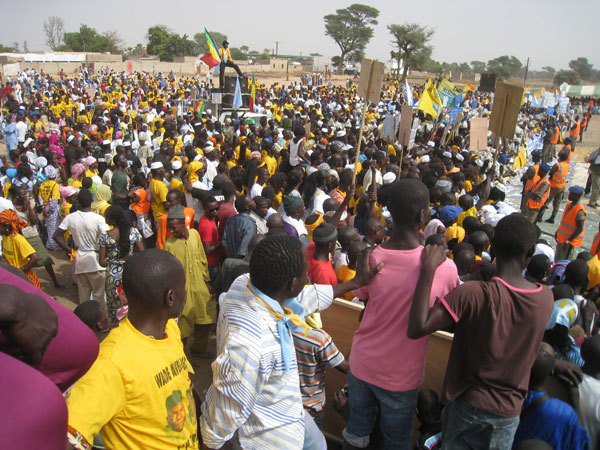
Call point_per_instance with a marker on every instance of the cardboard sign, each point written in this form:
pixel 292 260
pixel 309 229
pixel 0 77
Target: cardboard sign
pixel 307 130
pixel 217 98
pixel 505 111
pixel 371 76
pixel 479 130
pixel 388 131
pixel 406 117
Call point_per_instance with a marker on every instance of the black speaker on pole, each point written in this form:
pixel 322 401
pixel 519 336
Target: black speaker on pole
pixel 487 82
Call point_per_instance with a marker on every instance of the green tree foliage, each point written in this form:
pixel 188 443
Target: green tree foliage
pixel 351 30
pixel 566 76
pixel 6 49
pixel 504 67
pixel 410 45
pixel 87 39
pixel 550 71
pixel 582 67
pixel 167 45
pixel 237 54
pixel 478 66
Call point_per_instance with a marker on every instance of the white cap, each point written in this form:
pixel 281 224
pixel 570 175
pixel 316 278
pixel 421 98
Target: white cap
pixel 341 133
pixel 447 154
pixel 27 142
pixel 431 144
pixel 176 165
pixel 324 130
pixel 460 157
pixel 156 165
pixel 70 138
pixel 105 142
pixel 389 178
pixel 424 159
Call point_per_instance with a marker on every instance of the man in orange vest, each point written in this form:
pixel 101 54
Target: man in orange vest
pixel 575 131
pixel 594 161
pixel 551 138
pixel 538 196
pixel 530 176
pixel 569 235
pixel 558 181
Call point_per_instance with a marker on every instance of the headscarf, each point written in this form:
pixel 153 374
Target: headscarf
pixel 291 203
pixel 66 192
pixel 89 161
pixel 50 172
pixel 77 170
pixel 40 162
pixel 194 167
pixel 432 227
pixel 103 195
pixel 9 217
pixel 564 313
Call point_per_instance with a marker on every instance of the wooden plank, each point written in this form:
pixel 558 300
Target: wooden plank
pixel 478 138
pixel 371 77
pixel 406 118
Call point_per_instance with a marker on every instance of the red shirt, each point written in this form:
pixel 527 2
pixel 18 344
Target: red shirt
pixel 226 210
pixel 321 272
pixel 208 231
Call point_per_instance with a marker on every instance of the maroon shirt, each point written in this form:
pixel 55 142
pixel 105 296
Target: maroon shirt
pixel 226 210
pixel 498 332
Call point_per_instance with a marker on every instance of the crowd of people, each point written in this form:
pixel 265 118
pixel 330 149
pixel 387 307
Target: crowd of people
pixel 177 225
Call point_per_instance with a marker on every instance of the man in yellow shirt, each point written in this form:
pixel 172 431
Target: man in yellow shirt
pixel 226 61
pixel 159 190
pixel 138 393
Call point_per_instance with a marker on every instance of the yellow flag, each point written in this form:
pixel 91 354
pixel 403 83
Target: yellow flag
pixel 429 98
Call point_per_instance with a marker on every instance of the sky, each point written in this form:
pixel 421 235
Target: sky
pixel 546 31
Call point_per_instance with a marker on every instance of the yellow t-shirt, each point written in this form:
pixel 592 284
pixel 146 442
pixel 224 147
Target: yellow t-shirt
pixel 345 273
pixel 176 183
pixel 159 196
pixel 471 212
pixel 138 393
pixel 270 162
pixel 16 250
pixel 49 190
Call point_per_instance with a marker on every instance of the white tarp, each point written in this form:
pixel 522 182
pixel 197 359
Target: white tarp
pixel 48 57
pixel 11 70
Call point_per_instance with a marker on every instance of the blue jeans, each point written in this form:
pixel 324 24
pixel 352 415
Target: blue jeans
pixel 467 427
pixel 396 413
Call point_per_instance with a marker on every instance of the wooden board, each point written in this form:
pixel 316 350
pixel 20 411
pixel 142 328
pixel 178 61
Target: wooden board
pixel 479 130
pixel 371 77
pixel 406 118
pixel 505 110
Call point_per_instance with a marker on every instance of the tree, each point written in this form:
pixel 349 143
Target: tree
pixel 410 42
pixel 582 67
pixel 25 47
pixel 566 76
pixel 157 37
pixel 87 39
pixel 201 44
pixel 6 49
pixel 549 70
pixel 54 28
pixel 504 67
pixel 238 54
pixel 350 29
pixel 315 54
pixel 177 46
pixel 478 66
pixel 16 47
pixel 115 40
pixel 138 50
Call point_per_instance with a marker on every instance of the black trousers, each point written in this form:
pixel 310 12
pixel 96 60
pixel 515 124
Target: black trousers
pixel 222 72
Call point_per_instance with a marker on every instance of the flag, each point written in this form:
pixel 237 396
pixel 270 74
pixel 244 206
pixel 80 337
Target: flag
pixel 213 49
pixel 237 96
pixel 469 87
pixel 429 100
pixel 409 95
pixel 252 94
pixel 199 107
pixel 209 60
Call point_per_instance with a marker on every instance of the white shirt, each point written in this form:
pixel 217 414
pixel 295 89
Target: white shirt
pixel 256 190
pixel 589 408
pixel 21 130
pixel 86 228
pixel 261 223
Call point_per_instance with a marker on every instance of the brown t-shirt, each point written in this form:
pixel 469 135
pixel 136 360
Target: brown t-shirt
pixel 496 340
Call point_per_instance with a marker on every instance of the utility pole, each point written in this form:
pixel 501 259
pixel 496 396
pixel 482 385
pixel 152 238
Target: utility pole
pixel 526 71
pixel 276 48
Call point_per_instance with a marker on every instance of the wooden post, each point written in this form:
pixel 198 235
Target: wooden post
pixel 362 124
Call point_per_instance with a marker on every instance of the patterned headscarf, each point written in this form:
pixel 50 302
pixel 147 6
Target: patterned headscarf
pixel 9 217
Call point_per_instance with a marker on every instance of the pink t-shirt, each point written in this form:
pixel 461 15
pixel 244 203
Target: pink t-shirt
pixel 382 354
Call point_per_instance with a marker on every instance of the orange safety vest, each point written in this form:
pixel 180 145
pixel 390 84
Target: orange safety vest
pixel 559 178
pixel 529 183
pixel 555 135
pixel 568 225
pixel 537 204
pixel 575 132
pixel 596 244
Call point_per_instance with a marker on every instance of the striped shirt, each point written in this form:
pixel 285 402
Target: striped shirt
pixel 315 352
pixel 251 393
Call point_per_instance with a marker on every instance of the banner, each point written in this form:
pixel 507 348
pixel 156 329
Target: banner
pixel 453 114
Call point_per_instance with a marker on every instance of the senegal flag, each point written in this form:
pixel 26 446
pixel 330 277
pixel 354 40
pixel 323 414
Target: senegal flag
pixel 212 58
pixel 252 95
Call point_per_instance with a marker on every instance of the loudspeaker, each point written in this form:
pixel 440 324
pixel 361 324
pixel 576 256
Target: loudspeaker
pixel 487 82
pixel 230 84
